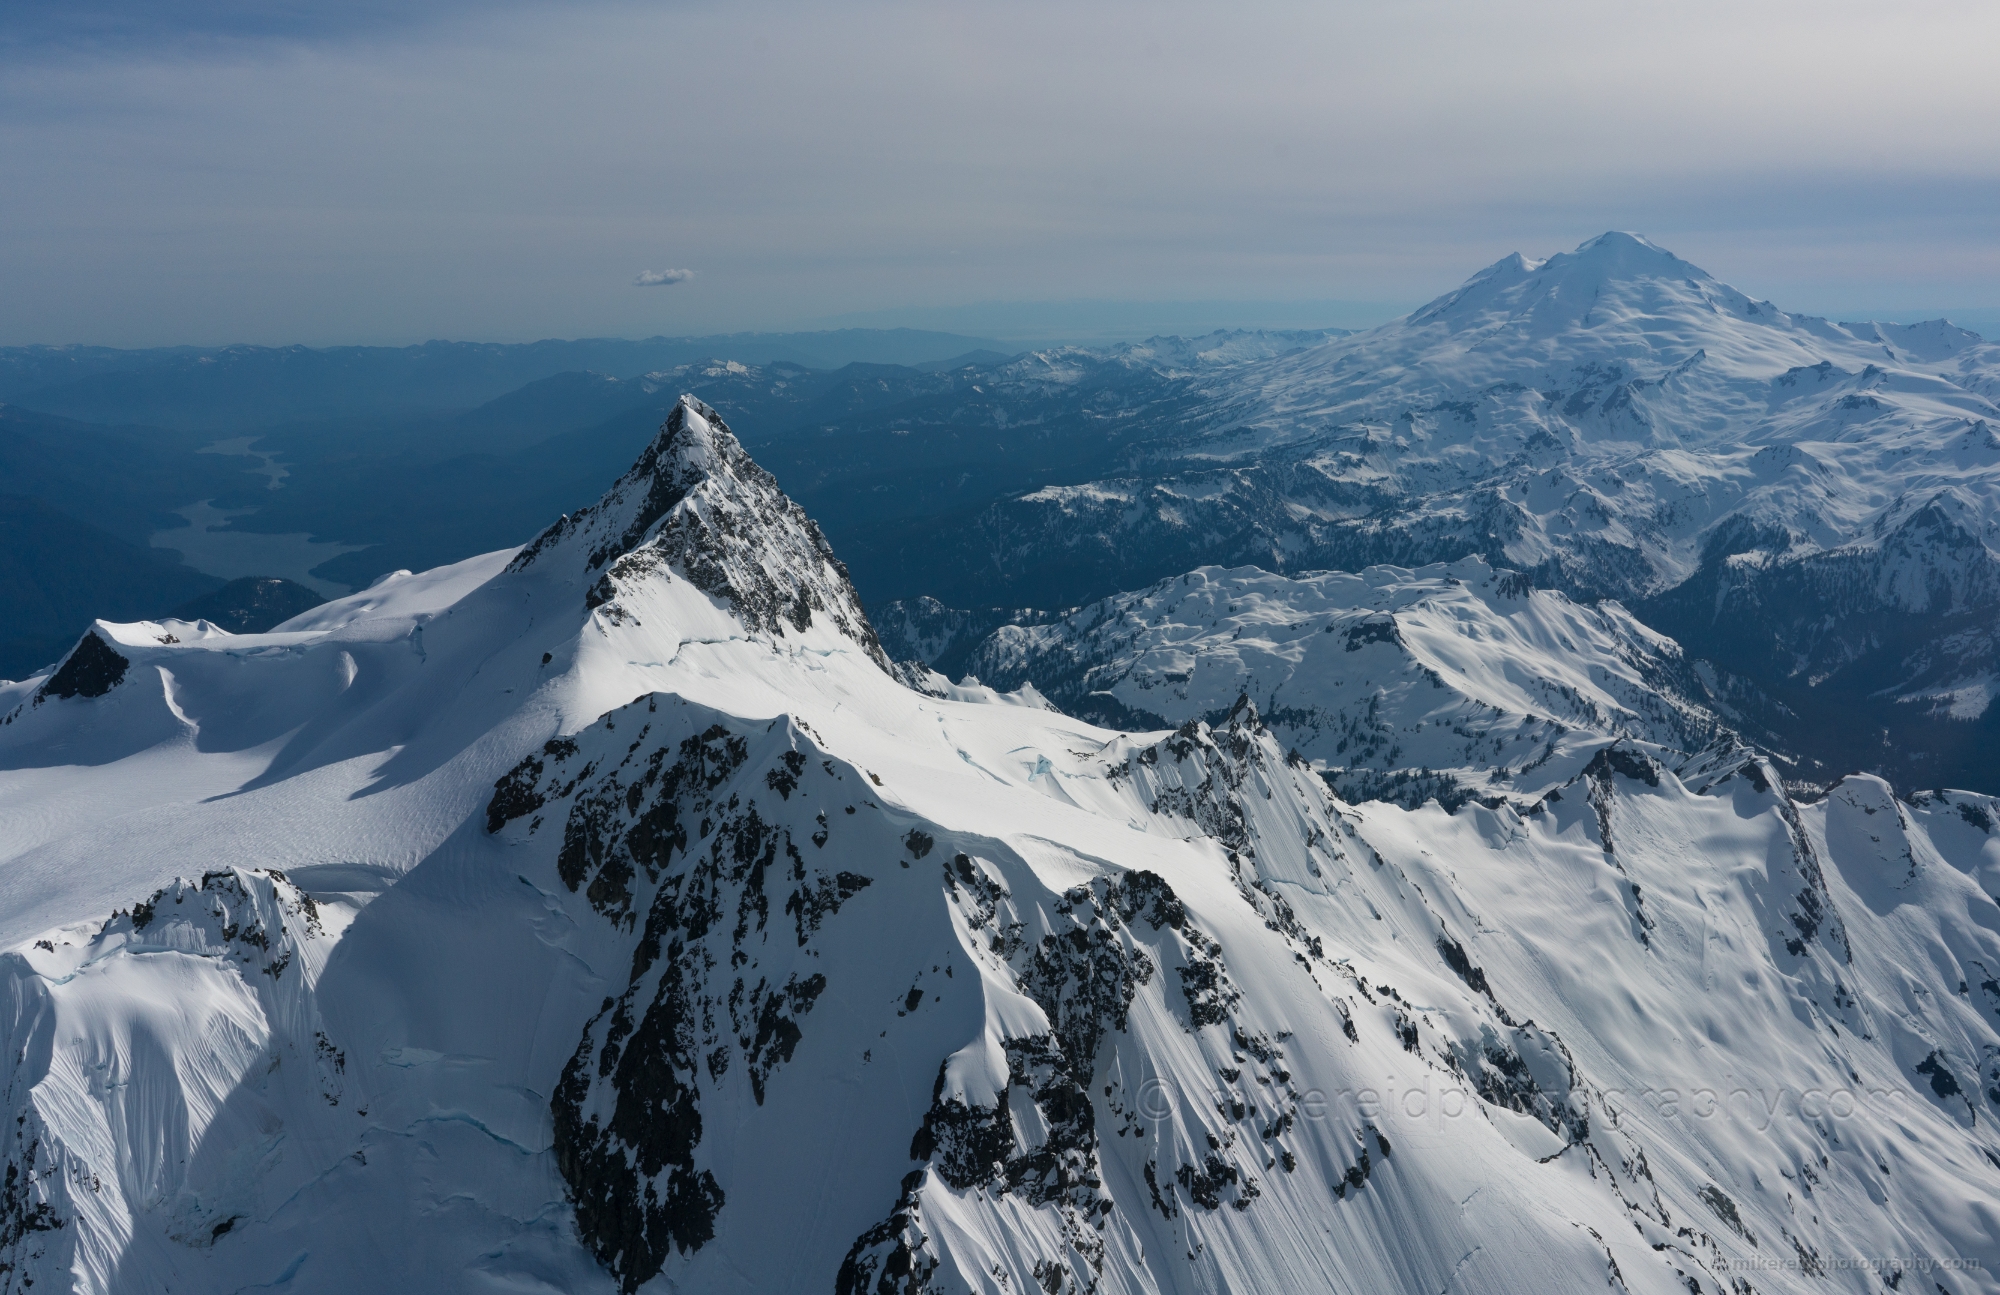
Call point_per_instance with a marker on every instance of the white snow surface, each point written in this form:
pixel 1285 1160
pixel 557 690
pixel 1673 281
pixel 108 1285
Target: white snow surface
pixel 670 943
pixel 1457 668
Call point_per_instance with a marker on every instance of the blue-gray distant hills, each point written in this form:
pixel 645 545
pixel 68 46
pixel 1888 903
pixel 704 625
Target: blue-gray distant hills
pixel 241 388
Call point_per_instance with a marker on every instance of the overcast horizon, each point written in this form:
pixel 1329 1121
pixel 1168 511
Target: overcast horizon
pixel 220 172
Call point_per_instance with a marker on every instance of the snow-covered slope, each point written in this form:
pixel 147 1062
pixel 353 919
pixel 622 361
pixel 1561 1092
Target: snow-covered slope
pixel 1445 677
pixel 605 916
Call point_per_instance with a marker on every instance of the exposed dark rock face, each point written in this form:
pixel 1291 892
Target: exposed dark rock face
pixel 1725 1209
pixel 1357 1173
pixel 1084 977
pixel 1410 788
pixel 1373 630
pixel 1812 903
pixel 696 505
pixel 974 1147
pixel 1944 1083
pixel 665 837
pixel 246 914
pixel 1503 1076
pixel 1212 804
pixel 1208 777
pixel 1455 957
pixel 92 669
pixel 29 1215
pixel 1110 938
pixel 896 1256
pixel 1619 758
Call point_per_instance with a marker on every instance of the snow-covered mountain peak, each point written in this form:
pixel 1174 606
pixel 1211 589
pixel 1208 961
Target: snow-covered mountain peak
pixel 1619 294
pixel 1618 253
pixel 696 506
pixel 1605 261
pixel 1617 347
pixel 1613 421
pixel 1623 297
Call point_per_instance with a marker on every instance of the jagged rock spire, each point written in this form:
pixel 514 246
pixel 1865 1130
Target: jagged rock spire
pixel 696 504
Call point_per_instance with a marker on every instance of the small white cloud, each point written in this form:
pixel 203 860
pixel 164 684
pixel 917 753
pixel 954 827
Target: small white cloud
pixel 661 278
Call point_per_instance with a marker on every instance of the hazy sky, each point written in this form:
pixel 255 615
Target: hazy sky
pixel 280 172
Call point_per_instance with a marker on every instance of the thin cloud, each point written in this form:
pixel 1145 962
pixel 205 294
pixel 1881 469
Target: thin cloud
pixel 363 185
pixel 661 278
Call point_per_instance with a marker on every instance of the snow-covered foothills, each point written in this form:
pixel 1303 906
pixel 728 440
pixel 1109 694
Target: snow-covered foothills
pixel 1461 673
pixel 611 916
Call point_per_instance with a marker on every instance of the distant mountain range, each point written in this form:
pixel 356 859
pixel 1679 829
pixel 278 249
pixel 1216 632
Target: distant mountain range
pixel 1806 508
pixel 252 388
pixel 1450 682
pixel 1812 509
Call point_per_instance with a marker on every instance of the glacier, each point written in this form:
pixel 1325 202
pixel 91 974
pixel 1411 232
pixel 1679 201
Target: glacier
pixel 614 913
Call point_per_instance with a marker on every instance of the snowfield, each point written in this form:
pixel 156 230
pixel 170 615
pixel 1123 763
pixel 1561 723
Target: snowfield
pixel 611 915
pixel 1470 675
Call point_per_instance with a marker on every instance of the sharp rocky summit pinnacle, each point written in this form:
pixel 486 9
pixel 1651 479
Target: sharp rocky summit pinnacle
pixel 697 506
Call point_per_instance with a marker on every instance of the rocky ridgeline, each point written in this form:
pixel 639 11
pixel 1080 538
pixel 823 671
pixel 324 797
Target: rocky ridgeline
pixel 684 840
pixel 717 853
pixel 693 995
